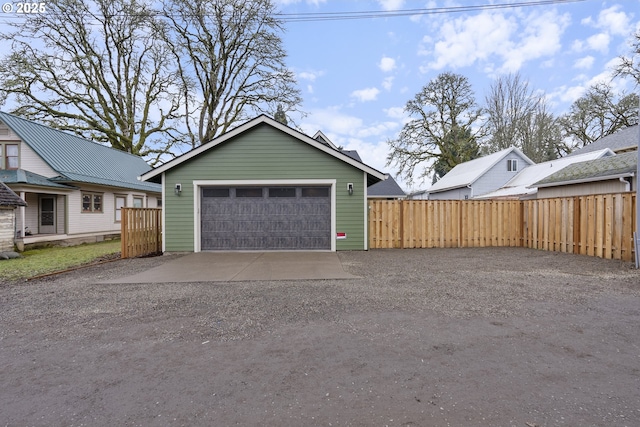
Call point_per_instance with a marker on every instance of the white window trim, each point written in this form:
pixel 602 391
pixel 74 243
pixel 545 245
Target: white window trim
pixel 512 165
pixel 197 185
pixel 115 206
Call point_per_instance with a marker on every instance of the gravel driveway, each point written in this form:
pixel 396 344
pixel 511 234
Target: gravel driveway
pixel 437 337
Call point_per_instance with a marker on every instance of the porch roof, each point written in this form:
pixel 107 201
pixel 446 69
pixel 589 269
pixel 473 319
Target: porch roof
pixel 21 176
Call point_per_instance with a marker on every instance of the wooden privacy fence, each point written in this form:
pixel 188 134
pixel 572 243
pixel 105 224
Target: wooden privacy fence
pixel 141 232
pixel 600 225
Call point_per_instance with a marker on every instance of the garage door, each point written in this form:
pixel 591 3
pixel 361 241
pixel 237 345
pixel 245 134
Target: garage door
pixel 266 218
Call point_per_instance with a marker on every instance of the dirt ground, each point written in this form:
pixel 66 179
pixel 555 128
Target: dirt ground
pixel 438 337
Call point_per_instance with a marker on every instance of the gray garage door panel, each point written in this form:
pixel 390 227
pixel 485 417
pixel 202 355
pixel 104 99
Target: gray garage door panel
pixel 263 223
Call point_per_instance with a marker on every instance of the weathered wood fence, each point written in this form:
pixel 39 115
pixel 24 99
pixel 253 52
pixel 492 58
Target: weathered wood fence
pixel 599 225
pixel 141 232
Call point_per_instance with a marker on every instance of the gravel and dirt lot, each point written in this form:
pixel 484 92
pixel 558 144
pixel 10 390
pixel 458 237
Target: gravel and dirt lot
pixel 438 337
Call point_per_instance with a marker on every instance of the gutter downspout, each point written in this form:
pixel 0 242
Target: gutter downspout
pixel 627 184
pixel 471 194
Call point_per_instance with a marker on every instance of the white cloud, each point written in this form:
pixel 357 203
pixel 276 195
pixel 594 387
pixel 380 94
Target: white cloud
pixel 584 63
pixel 391 4
pixel 310 88
pixel 310 75
pixel 495 37
pixel 387 83
pixel 387 64
pixel 599 42
pixel 395 112
pixel 614 21
pixel 364 95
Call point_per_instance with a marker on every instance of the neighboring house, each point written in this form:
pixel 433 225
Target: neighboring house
pixel 386 190
pixel 479 176
pixel 605 175
pixel 520 186
pixel 622 141
pixel 9 201
pixel 264 186
pixel 74 188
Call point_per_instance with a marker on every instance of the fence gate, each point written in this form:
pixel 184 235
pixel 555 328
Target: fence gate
pixel 141 232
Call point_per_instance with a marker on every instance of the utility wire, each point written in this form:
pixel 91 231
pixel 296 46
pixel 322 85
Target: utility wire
pixel 340 16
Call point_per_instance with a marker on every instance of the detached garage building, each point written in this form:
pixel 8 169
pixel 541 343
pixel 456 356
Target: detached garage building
pixel 264 186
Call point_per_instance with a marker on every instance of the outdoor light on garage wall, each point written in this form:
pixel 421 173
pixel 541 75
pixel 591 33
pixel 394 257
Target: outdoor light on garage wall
pixel 178 189
pixel 350 188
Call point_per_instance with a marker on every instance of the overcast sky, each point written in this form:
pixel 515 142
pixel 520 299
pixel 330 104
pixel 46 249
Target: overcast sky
pixel 357 75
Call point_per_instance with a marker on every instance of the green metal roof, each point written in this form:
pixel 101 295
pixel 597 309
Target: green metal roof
pixel 79 160
pixel 21 176
pixel 624 164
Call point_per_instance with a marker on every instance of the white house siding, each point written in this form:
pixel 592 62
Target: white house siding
pixel 7 229
pixel 7 134
pixel 30 161
pixel 584 189
pixel 497 176
pixel 105 221
pixel 455 194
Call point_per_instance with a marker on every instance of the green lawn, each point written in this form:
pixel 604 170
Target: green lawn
pixel 49 260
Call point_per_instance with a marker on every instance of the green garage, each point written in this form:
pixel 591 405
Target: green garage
pixel 264 186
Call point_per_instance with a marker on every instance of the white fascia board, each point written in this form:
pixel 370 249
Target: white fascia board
pixel 252 123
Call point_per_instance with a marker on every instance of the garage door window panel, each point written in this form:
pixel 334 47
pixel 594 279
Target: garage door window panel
pixel 248 192
pixel 288 192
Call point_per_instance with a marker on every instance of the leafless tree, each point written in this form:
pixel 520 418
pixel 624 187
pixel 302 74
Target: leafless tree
pixel 232 62
pixel 98 69
pixel 518 116
pixel 443 132
pixel 598 113
pixel 630 64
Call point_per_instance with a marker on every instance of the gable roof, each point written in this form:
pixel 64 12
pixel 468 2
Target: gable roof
pixel 623 140
pixel 8 198
pixel 613 167
pixel 79 160
pixel 467 173
pixel 387 188
pixel 521 184
pixel 373 175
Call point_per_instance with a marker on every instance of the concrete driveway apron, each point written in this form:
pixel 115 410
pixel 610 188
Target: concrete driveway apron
pixel 243 266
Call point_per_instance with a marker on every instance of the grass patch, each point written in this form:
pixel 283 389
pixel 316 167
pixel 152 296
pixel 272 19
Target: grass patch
pixel 50 260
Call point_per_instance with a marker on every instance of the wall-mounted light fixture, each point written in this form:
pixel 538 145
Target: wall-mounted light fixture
pixel 350 188
pixel 178 189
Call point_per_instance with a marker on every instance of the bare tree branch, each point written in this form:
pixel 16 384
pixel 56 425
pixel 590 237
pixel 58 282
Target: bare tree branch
pixel 99 71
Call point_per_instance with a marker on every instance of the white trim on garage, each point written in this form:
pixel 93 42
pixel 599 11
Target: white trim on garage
pixel 198 184
pixel 366 213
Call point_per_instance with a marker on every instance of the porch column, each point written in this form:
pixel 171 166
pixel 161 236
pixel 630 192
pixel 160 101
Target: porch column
pixel 23 196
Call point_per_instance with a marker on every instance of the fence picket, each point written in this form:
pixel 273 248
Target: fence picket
pixel 589 225
pixel 141 232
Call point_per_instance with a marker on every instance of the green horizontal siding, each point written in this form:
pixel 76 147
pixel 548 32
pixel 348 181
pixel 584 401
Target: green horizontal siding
pixel 263 153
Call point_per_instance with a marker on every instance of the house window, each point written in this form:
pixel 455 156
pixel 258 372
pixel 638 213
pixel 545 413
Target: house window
pixel 159 202
pixel 121 202
pixel 10 156
pixel 512 165
pixel 137 202
pixel 91 202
